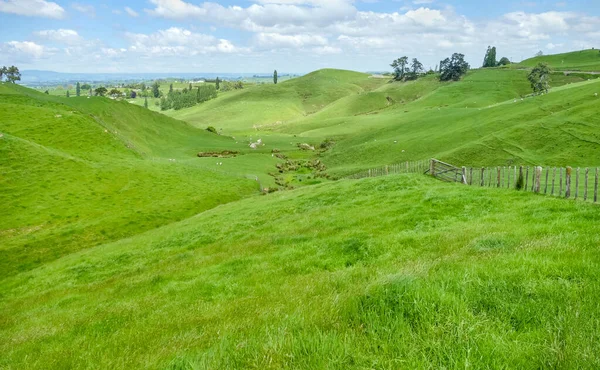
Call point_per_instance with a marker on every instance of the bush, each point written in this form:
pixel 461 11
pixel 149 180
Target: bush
pixel 212 129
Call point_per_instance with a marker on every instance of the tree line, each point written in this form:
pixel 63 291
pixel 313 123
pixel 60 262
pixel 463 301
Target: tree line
pixel 187 97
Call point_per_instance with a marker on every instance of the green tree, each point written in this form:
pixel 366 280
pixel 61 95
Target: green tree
pixel 490 57
pixel 2 72
pixel 504 61
pixel 86 87
pixel 190 89
pixel 78 89
pixel 170 88
pixel 539 77
pixel 453 68
pixel 275 77
pixel 68 95
pixel 145 102
pixel 400 68
pixel 416 68
pixel 101 91
pixel 218 84
pixel 156 89
pixel 12 74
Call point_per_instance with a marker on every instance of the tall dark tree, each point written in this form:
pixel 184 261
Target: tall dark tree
pixel 218 83
pixel 170 88
pixel 190 89
pixel 539 77
pixel 78 89
pixel 400 68
pixel 156 89
pixel 490 57
pixel 146 102
pixel 453 68
pixel 68 94
pixel 275 77
pixel 12 74
pixel 2 72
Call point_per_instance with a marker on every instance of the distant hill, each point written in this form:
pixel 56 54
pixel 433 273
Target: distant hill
pixel 584 60
pixel 38 77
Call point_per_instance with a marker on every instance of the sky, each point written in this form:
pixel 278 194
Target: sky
pixel 293 36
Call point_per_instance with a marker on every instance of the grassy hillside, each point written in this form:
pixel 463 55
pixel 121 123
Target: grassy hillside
pixel 396 272
pixel 77 175
pixel 584 60
pixel 267 106
pixel 486 118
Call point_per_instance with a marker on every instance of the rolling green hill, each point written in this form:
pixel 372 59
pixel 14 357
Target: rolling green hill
pixel 487 118
pixel 73 176
pixel 120 248
pixel 402 271
pixel 584 60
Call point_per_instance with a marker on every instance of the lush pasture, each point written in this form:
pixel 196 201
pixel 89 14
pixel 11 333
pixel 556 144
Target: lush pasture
pixel 585 60
pixel 74 176
pixel 120 248
pixel 396 272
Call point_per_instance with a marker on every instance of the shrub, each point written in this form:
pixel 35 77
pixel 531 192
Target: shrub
pixel 212 129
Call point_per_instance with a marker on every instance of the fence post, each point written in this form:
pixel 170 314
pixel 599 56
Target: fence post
pixel 596 187
pixel 464 175
pixel 387 170
pixel 369 173
pixel 508 180
pixel 546 187
pixel 498 177
pixel 560 183
pixel 471 177
pixel 568 182
pixel 553 179
pixel 520 177
pixel 585 187
pixel 577 183
pixel 482 176
pixel 526 178
pixel 533 178
pixel 432 167
pixel 538 175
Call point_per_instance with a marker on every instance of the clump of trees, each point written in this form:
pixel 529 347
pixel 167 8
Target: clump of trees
pixel 78 89
pixel 101 91
pixel 228 86
pixel 11 74
pixel 275 77
pixel 539 77
pixel 490 59
pixel 403 71
pixel 187 98
pixel 453 68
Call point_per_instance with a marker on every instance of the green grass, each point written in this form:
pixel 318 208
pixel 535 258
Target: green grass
pixel 74 176
pixel 406 272
pixel 584 60
pixel 120 248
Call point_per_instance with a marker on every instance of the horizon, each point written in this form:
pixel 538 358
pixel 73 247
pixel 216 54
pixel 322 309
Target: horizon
pixel 235 36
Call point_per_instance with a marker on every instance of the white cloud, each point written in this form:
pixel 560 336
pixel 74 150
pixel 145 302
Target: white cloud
pixel 179 42
pixel 23 49
pixel 85 9
pixel 276 40
pixel 32 8
pixel 63 36
pixel 131 12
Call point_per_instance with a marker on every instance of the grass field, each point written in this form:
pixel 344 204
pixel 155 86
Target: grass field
pixel 584 60
pixel 120 248
pixel 396 272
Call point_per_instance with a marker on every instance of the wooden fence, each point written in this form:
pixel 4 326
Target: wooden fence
pixel 405 167
pixel 565 182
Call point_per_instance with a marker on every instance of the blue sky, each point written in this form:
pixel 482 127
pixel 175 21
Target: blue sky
pixel 288 35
